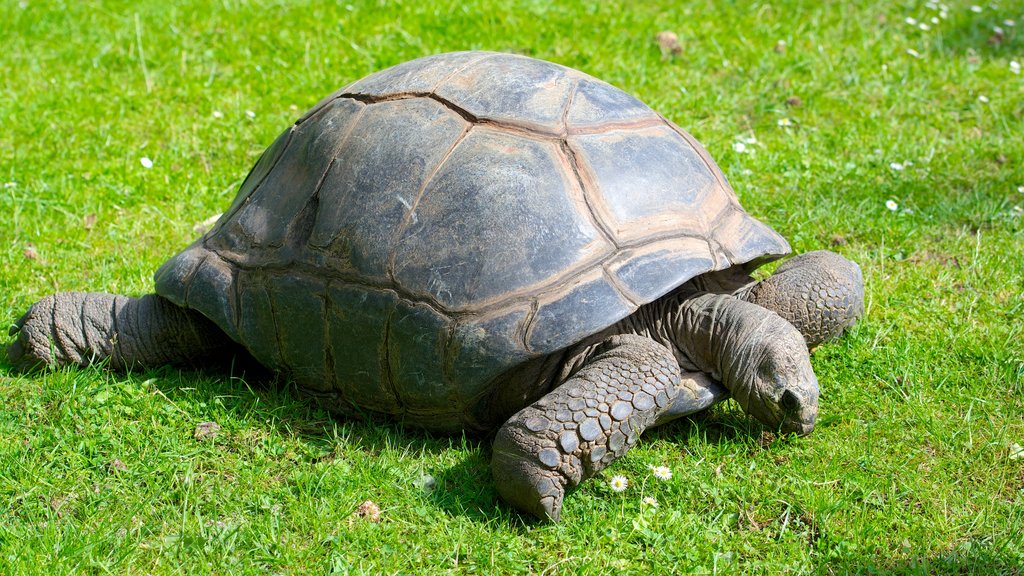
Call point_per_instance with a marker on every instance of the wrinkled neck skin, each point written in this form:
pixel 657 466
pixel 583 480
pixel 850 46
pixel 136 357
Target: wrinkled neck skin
pixel 756 354
pixel 721 344
pixel 706 340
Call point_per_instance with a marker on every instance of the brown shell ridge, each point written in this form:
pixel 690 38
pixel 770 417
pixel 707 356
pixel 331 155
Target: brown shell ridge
pixel 568 102
pixel 479 309
pixel 623 291
pixel 715 264
pixel 331 275
pixel 535 132
pixel 328 349
pixel 277 325
pixel 586 182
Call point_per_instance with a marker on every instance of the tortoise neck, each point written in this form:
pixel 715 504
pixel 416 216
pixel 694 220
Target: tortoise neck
pixel 658 321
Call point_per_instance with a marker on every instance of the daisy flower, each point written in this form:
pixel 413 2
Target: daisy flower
pixel 618 483
pixel 662 472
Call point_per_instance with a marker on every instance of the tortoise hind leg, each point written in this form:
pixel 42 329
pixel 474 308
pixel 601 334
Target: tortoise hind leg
pixel 78 328
pixel 820 292
pixel 584 425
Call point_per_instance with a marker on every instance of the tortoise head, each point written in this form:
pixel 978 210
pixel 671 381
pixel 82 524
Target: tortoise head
pixel 786 389
pixel 782 389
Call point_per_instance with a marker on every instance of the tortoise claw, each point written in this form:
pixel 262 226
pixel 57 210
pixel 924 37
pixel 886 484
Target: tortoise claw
pixel 18 324
pixel 522 483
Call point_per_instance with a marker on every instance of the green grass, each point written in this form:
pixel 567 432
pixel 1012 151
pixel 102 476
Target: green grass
pixel 909 471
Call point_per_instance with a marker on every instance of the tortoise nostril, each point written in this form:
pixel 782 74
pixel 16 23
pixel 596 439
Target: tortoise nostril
pixel 790 401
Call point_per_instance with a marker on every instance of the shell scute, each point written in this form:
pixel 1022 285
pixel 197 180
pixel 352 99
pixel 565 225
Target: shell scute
pixel 374 183
pixel 647 181
pixel 488 223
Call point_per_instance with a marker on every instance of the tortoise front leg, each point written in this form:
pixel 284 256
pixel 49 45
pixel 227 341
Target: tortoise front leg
pixel 78 328
pixel 820 293
pixel 584 425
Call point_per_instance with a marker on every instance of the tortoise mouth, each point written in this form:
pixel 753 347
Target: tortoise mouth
pixel 798 407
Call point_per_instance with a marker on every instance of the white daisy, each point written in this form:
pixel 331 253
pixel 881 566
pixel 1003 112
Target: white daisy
pixel 618 483
pixel 662 472
pixel 1016 451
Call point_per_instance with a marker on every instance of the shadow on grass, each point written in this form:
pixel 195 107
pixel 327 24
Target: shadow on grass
pixel 984 35
pixel 249 393
pixel 967 558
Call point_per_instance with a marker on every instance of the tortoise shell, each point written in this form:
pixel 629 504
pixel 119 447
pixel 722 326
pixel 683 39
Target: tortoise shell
pixel 431 227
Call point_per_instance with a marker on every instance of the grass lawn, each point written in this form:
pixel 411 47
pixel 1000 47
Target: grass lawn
pixel 892 133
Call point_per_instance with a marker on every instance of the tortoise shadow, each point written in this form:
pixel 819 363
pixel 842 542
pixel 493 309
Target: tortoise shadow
pixel 465 489
pixel 247 390
pixel 980 34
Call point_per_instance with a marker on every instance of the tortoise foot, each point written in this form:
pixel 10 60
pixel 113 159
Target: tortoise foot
pixel 581 427
pixel 820 292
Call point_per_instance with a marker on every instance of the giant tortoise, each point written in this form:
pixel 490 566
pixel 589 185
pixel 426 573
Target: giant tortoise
pixel 486 242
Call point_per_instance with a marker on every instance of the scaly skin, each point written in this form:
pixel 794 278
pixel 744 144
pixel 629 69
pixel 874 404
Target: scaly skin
pixel 821 293
pixel 584 425
pixel 631 382
pixel 78 328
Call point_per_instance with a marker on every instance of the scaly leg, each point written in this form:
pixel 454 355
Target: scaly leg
pixel 821 293
pixel 78 328
pixel 585 424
